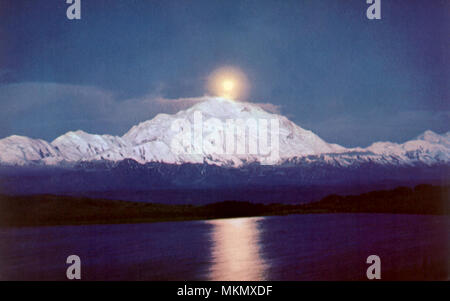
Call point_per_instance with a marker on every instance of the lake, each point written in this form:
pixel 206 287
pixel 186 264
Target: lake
pixel 294 247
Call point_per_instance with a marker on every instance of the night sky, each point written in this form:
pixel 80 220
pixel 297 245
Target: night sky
pixel 321 63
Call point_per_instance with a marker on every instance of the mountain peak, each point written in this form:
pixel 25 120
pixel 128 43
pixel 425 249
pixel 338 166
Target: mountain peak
pixel 435 138
pixel 215 114
pixel 429 135
pixel 223 108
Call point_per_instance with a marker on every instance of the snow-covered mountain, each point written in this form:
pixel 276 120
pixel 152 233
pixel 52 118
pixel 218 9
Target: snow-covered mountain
pixel 19 150
pixel 428 147
pixel 152 141
pixel 78 146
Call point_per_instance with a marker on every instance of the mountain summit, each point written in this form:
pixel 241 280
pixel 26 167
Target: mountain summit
pixel 153 141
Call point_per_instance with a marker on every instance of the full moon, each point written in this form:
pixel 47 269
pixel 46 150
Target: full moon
pixel 228 82
pixel 228 85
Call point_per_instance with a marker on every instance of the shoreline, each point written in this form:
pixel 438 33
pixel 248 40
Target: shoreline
pixel 52 210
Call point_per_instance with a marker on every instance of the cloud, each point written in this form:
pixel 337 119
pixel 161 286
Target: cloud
pixel 269 107
pixel 144 108
pixel 47 110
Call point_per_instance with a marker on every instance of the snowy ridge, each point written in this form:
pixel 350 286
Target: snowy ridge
pixel 19 150
pixel 150 141
pixel 76 146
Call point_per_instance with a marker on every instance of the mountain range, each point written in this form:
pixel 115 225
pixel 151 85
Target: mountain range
pixel 150 141
pixel 143 165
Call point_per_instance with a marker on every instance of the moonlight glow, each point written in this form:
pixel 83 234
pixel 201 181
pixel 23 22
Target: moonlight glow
pixel 228 82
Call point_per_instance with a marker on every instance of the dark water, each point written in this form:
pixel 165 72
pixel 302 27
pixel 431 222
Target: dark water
pixel 295 247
